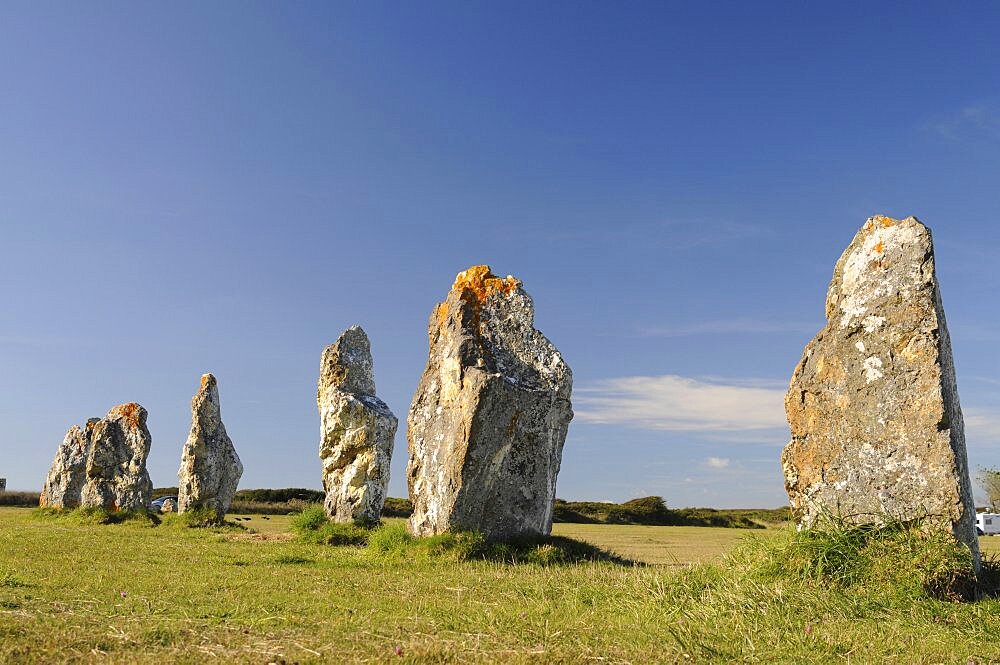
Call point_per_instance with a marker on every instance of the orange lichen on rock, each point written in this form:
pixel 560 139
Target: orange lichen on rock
pixel 206 379
pixel 130 412
pixel 879 247
pixel 441 314
pixel 880 220
pixel 483 283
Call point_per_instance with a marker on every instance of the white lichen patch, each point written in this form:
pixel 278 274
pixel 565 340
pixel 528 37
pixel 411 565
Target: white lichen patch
pixel 860 346
pixel 862 280
pixel 872 323
pixel 873 369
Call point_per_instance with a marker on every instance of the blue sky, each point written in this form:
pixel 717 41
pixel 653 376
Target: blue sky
pixel 225 187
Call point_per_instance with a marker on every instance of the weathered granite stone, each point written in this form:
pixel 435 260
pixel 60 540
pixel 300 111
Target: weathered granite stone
pixel 169 506
pixel 210 468
pixel 3 485
pixel 877 429
pixel 357 431
pixel 116 464
pixel 69 469
pixel 489 418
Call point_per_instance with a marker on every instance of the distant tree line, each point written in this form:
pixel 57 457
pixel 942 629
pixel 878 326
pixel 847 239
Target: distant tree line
pixel 649 510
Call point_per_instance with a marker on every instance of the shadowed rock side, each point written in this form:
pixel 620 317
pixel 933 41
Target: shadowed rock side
pixel 116 465
pixel 69 469
pixel 489 417
pixel 357 431
pixel 210 468
pixel 873 408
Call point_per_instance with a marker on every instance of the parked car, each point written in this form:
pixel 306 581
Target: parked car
pixel 157 503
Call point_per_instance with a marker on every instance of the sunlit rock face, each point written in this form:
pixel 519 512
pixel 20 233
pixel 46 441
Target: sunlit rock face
pixel 210 469
pixel 489 418
pixel 357 431
pixel 873 408
pixel 68 473
pixel 116 465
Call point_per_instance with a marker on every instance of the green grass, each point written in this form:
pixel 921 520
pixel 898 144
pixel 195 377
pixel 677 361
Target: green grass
pixel 133 592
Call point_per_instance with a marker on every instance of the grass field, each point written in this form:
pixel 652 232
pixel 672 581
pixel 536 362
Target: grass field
pixel 135 593
pixel 663 545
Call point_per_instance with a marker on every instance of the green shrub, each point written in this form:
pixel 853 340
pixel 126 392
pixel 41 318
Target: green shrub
pixel 653 511
pixel 22 499
pixel 313 526
pixel 200 518
pixel 896 559
pixel 390 540
pixel 310 519
pixel 394 507
pixel 280 495
pixel 394 541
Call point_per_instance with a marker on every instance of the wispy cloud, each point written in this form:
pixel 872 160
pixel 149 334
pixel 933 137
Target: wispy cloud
pixel 982 427
pixel 717 462
pixel 681 404
pixel 971 123
pixel 730 326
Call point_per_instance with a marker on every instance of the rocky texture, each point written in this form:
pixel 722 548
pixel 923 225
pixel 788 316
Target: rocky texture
pixel 210 468
pixel 169 506
pixel 876 425
pixel 489 418
pixel 3 485
pixel 69 469
pixel 357 431
pixel 116 463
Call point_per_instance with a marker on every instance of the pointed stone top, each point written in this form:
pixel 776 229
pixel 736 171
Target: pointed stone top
pixel 208 392
pixel 347 364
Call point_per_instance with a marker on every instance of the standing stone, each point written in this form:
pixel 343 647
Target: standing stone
pixel 116 464
pixel 877 430
pixel 489 418
pixel 210 468
pixel 357 431
pixel 169 506
pixel 69 469
pixel 3 485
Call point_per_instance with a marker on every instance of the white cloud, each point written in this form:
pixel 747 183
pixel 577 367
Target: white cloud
pixel 681 404
pixel 730 326
pixel 717 462
pixel 971 123
pixel 982 427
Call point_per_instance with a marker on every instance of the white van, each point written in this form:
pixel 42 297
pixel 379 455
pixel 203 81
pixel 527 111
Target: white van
pixel 987 524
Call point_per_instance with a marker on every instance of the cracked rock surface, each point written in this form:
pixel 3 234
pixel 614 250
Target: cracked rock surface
pixel 877 430
pixel 489 418
pixel 103 464
pixel 210 469
pixel 357 431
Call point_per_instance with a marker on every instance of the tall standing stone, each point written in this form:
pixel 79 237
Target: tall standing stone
pixel 210 468
pixel 68 473
pixel 116 465
pixel 357 431
pixel 877 429
pixel 490 415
